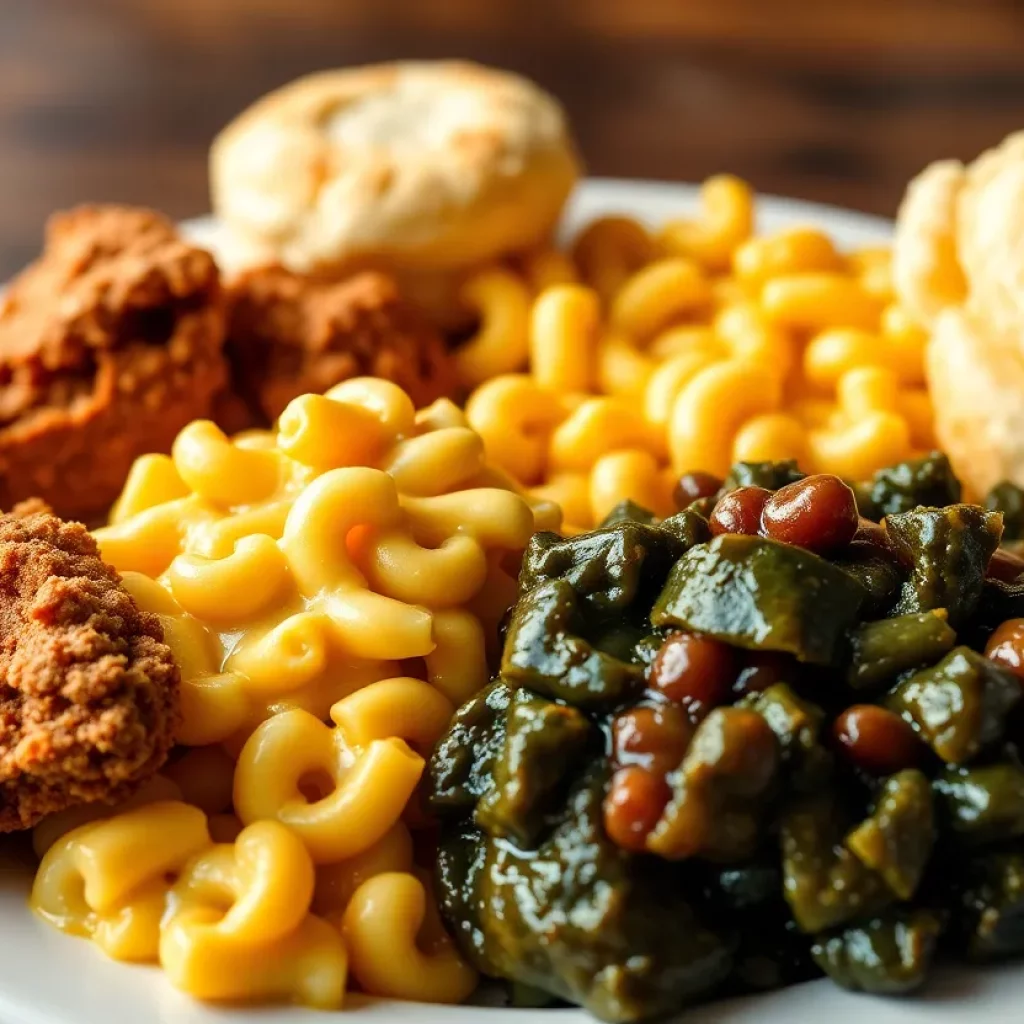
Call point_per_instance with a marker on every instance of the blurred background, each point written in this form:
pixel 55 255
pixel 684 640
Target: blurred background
pixel 835 100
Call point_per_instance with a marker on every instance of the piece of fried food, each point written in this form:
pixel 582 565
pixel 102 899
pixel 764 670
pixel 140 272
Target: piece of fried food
pixel 958 267
pixel 289 334
pixel 88 689
pixel 109 344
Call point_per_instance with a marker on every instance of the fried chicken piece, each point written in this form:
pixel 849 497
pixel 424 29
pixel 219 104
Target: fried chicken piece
pixel 289 335
pixel 109 344
pixel 88 689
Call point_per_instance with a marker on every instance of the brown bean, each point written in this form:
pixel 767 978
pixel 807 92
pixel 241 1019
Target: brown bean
pixel 1005 565
pixel 877 740
pixel 633 805
pixel 654 738
pixel 694 671
pixel 692 487
pixel 1006 647
pixel 818 513
pixel 739 511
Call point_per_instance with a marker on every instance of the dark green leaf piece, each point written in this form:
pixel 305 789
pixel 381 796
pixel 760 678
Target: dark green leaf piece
pixel 797 726
pixel 1008 498
pixel 928 481
pixel 545 652
pixel 752 885
pixel 876 572
pixel 825 884
pixel 888 955
pixel 462 763
pixel 689 527
pixel 544 743
pixel 770 475
pixel 982 804
pixel 897 840
pixel 628 512
pixel 760 594
pixel 947 551
pixel 610 569
pixel 960 705
pixel 882 650
pixel 991 913
pixel 717 804
pixel 579 917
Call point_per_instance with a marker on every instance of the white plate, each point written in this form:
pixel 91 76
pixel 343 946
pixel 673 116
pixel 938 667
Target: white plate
pixel 49 978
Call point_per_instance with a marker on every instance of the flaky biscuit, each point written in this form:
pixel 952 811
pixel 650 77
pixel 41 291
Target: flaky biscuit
pixel 925 263
pixel 958 268
pixel 408 166
pixel 976 379
pixel 990 233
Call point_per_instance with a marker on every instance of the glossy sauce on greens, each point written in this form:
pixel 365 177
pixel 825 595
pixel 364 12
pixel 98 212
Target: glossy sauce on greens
pixel 729 755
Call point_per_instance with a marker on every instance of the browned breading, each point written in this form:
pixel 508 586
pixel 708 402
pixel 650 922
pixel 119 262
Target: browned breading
pixel 88 689
pixel 30 507
pixel 289 335
pixel 109 344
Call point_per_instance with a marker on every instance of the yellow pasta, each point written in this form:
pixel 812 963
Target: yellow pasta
pixel 608 250
pixel 293 572
pixel 564 327
pixel 51 828
pixel 515 417
pixel 108 880
pixel 407 708
pixel 653 297
pixel 396 950
pixel 500 344
pixel 336 883
pixel 358 792
pixel 726 220
pixel 632 475
pixel 790 251
pixel 239 926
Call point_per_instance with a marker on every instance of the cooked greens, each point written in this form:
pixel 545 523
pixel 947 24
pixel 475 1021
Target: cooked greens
pixel 609 841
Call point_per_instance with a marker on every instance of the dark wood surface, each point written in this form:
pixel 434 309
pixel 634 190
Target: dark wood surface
pixel 836 100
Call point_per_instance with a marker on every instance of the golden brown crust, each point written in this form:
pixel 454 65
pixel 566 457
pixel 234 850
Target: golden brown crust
pixel 289 334
pixel 109 344
pixel 88 689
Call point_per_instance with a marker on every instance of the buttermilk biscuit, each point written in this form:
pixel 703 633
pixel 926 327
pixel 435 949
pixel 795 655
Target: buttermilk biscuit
pixel 958 267
pixel 418 168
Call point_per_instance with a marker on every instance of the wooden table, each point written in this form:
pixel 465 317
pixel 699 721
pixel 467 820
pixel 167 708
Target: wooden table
pixel 837 100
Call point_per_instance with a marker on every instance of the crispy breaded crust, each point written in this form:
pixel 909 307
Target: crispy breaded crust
pixel 88 689
pixel 109 344
pixel 289 334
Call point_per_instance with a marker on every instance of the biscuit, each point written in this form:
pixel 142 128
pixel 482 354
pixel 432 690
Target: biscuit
pixel 411 167
pixel 958 268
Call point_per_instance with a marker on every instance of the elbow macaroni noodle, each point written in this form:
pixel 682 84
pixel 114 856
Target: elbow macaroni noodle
pixel 332 588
